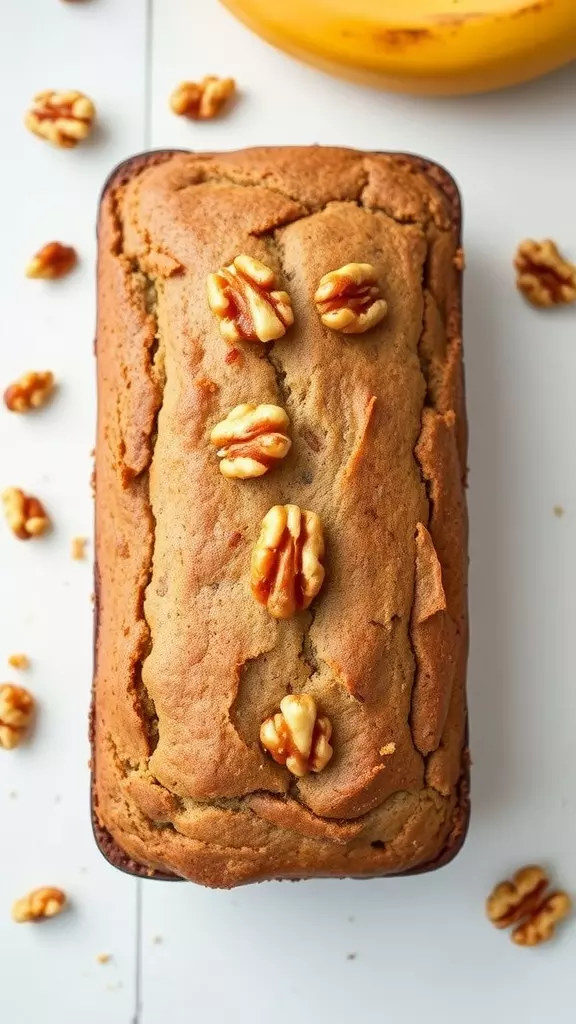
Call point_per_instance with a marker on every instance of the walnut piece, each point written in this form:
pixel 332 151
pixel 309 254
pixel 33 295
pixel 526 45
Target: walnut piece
pixel 523 902
pixel 20 661
pixel 349 299
pixel 25 515
pixel 298 736
pixel 78 548
pixel 53 260
pixel 16 712
pixel 202 100
pixel 62 118
pixel 541 926
pixel 509 901
pixel 39 905
pixel 543 277
pixel 30 391
pixel 244 297
pixel 287 570
pixel 251 440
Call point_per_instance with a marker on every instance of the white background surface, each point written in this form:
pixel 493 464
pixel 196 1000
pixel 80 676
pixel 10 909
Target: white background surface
pixel 423 950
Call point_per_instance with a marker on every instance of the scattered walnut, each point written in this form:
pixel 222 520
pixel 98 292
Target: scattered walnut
pixel 543 277
pixel 202 100
pixel 388 748
pixel 25 515
pixel 251 440
pixel 297 736
pixel 78 548
pixel 30 391
pixel 510 901
pixel 20 661
pixel 244 297
pixel 62 118
pixel 541 925
pixel 53 260
pixel 523 902
pixel 349 299
pixel 103 958
pixel 287 570
pixel 16 712
pixel 39 905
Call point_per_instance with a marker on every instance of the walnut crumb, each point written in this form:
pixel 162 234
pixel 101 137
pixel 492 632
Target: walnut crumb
pixel 78 548
pixel 388 748
pixel 103 958
pixel 558 511
pixel 19 661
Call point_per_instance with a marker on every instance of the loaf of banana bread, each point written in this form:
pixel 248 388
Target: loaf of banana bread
pixel 281 535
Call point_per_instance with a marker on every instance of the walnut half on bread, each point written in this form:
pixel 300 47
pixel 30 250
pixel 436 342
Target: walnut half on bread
pixel 281 529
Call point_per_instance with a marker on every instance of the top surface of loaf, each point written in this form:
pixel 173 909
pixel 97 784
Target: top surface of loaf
pixel 188 664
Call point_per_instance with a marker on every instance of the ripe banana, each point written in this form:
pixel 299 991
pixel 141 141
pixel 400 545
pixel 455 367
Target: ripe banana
pixel 437 47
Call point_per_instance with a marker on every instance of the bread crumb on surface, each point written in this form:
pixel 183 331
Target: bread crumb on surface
pixel 103 958
pixel 389 748
pixel 459 259
pixel 78 548
pixel 558 511
pixel 20 661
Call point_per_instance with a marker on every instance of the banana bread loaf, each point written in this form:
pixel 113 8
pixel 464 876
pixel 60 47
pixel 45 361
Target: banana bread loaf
pixel 281 618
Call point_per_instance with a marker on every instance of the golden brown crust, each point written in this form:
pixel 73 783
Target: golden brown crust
pixel 187 665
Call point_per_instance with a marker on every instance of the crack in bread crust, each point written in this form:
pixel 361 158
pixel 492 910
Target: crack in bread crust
pixel 285 854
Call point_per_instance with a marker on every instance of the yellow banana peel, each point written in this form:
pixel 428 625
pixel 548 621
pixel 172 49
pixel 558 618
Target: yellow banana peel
pixel 435 47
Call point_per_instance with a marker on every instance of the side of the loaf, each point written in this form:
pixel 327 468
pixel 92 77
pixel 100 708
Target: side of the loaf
pixel 188 664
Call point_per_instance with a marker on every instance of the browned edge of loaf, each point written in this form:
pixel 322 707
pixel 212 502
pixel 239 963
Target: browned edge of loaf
pixel 107 846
